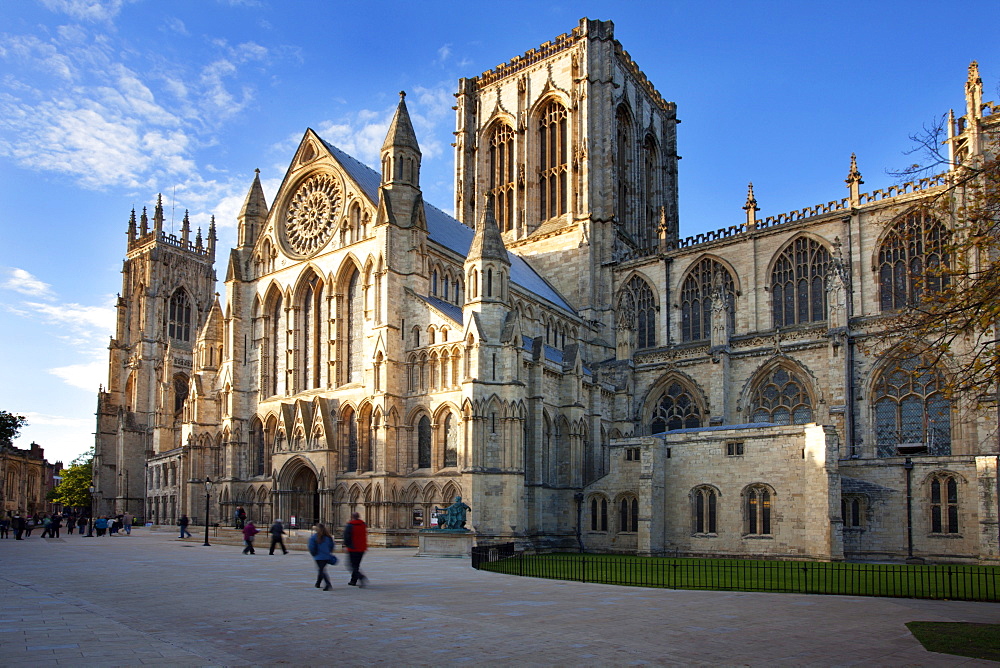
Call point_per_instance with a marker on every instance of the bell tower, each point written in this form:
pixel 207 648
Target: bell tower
pixel 168 289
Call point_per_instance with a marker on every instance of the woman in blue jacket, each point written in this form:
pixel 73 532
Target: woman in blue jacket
pixel 321 548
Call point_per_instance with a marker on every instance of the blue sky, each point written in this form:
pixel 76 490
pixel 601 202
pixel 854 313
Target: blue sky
pixel 105 104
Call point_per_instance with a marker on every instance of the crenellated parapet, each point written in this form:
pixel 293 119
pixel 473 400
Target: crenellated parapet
pixel 533 56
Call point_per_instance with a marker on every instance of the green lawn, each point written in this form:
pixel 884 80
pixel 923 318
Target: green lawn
pixel 979 641
pixel 981 583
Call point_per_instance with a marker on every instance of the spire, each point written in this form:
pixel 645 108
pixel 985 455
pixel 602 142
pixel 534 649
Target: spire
pixel 751 208
pixel 186 229
pixel 131 225
pixel 253 214
pixel 212 238
pixel 487 242
pixel 401 133
pixel 854 180
pixel 144 223
pixel 400 151
pixel 197 239
pixel 158 215
pixel 974 93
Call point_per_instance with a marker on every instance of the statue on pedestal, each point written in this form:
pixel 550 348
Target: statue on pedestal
pixel 453 517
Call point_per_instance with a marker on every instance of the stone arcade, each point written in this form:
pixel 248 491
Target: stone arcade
pixel 557 355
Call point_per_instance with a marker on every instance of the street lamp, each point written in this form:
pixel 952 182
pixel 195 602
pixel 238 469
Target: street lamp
pixel 208 494
pixel 90 524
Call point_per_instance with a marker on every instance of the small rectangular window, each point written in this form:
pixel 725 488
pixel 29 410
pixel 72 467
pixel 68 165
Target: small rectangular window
pixel 631 454
pixel 734 449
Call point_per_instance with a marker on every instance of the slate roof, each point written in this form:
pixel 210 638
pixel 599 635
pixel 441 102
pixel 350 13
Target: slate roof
pixel 446 308
pixel 447 231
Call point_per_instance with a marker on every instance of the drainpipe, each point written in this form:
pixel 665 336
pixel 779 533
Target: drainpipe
pixel 578 497
pixel 910 559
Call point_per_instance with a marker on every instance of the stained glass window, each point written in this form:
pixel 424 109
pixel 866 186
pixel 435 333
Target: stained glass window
pixel 781 398
pixel 798 283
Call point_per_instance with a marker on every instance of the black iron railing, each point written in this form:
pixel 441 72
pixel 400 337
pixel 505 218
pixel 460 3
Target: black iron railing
pixel 967 583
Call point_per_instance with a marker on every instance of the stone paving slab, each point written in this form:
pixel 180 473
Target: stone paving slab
pixel 150 598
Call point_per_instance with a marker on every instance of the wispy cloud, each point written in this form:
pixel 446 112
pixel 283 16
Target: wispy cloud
pixel 84 376
pixel 86 10
pixel 24 282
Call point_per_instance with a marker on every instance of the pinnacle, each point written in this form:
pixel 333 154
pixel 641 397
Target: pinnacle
pixel 401 134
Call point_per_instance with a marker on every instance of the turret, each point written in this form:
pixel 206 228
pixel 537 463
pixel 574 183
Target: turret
pixel 251 217
pixel 400 151
pixel 487 267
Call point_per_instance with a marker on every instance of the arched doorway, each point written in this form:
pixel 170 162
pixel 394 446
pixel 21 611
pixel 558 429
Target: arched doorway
pixel 298 494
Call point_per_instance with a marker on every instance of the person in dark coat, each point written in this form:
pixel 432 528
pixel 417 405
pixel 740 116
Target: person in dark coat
pixel 321 548
pixel 183 522
pixel 356 543
pixel 18 524
pixel 277 531
pixel 249 531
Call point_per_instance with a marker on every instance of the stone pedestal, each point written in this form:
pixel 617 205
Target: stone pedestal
pixel 444 543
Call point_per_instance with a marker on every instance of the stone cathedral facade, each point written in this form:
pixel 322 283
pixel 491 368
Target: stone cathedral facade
pixel 557 354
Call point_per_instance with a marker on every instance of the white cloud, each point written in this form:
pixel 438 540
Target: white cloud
pixel 86 10
pixel 77 317
pixel 38 419
pixel 27 284
pixel 84 376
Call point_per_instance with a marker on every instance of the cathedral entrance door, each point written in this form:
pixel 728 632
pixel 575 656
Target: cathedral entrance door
pixel 304 498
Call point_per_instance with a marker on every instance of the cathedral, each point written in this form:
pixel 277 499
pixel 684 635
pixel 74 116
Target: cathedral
pixel 556 353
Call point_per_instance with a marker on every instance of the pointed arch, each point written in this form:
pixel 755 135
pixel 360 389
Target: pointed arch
pixel 909 260
pixel 501 166
pixel 781 392
pixel 699 285
pixel 798 282
pixel 637 309
pixel 910 405
pixel 551 118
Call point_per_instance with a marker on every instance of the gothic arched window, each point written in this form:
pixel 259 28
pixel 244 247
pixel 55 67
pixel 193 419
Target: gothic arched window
pixel 257 446
pixel 179 322
pixel 696 298
pixel 553 160
pixel 910 260
pixel 651 191
pixel 424 443
pixel 628 514
pixel 911 407
pixel 450 441
pixel 781 398
pixel 502 175
pixel 944 503
pixel 277 343
pixel 757 510
pixel 637 310
pixel 798 283
pixel 598 514
pixel 676 409
pixel 353 360
pixel 703 511
pixel 352 440
pixel 309 333
pixel 623 171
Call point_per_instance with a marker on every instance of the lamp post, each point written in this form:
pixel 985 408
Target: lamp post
pixel 90 523
pixel 208 494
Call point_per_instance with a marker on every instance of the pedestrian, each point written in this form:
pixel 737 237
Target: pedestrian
pixel 321 548
pixel 277 531
pixel 127 524
pixel 18 525
pixel 81 524
pixel 29 525
pixel 70 523
pixel 356 543
pixel 101 525
pixel 46 524
pixel 54 526
pixel 241 517
pixel 183 523
pixel 249 531
pixel 4 527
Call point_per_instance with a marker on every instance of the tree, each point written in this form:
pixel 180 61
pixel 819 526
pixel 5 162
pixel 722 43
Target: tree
pixel 10 426
pixel 74 490
pixel 952 300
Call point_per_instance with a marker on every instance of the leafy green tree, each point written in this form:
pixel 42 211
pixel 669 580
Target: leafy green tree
pixel 74 491
pixel 10 426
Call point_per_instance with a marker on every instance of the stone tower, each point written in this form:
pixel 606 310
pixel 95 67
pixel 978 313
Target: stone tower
pixel 168 289
pixel 577 151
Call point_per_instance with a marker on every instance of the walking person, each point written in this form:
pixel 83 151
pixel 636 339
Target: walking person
pixel 81 524
pixel 46 523
pixel 54 526
pixel 4 527
pixel 356 543
pixel 70 523
pixel 277 531
pixel 183 522
pixel 321 548
pixel 127 524
pixel 249 531
pixel 18 524
pixel 101 525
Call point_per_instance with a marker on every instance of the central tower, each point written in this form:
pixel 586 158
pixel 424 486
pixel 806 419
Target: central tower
pixel 578 153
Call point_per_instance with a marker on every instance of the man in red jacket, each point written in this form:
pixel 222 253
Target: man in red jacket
pixel 356 543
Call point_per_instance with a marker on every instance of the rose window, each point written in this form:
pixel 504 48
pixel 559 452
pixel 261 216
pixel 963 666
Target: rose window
pixel 312 214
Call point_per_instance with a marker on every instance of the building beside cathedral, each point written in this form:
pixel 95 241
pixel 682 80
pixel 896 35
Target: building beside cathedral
pixel 557 354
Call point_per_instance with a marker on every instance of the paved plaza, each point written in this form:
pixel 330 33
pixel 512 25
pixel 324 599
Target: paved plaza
pixel 152 599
